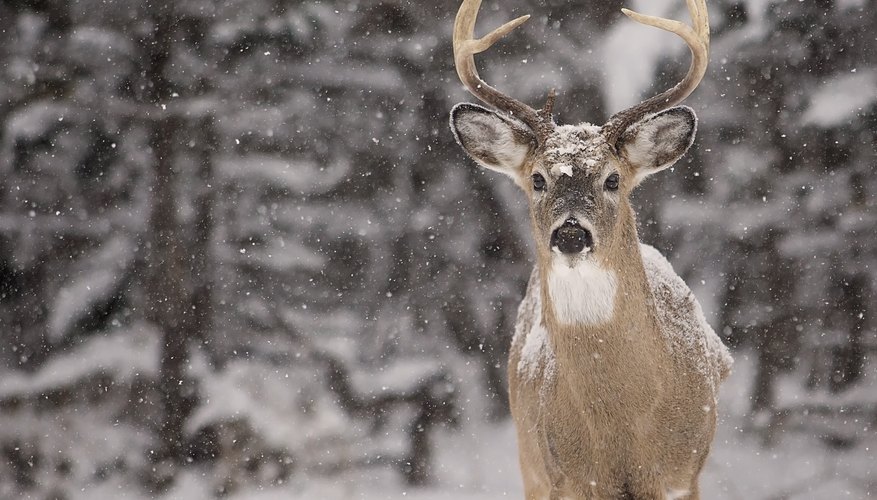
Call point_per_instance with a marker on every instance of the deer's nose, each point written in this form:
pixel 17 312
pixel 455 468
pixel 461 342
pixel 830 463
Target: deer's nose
pixel 571 238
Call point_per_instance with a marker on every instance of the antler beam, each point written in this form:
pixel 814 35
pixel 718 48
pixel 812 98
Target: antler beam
pixel 697 37
pixel 465 48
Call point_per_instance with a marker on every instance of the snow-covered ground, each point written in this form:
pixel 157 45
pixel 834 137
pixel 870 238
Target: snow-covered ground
pixel 797 466
pixel 480 463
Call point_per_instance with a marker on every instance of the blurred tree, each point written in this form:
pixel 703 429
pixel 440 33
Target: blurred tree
pixel 782 200
pixel 247 225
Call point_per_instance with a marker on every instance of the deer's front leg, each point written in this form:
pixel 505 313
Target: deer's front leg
pixel 556 477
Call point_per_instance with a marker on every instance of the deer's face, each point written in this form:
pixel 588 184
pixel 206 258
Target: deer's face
pixel 578 185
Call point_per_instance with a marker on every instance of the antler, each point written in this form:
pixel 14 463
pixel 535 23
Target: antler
pixel 698 40
pixel 465 48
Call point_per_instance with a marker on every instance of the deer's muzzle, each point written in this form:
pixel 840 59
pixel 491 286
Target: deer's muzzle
pixel 571 238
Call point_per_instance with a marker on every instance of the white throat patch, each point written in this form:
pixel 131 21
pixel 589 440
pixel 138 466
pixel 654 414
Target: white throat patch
pixel 584 294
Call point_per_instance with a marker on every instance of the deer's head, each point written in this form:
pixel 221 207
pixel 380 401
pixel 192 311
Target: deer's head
pixel 578 178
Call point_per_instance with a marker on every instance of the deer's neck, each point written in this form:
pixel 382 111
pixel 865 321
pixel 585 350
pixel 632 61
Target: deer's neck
pixel 614 349
pixel 596 294
pixel 597 297
pixel 599 316
pixel 583 294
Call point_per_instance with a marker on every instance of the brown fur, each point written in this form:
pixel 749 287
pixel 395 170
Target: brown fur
pixel 624 408
pixel 629 422
pixel 613 388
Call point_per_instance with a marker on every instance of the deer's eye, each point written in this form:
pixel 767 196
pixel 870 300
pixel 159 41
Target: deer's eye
pixel 538 182
pixel 611 182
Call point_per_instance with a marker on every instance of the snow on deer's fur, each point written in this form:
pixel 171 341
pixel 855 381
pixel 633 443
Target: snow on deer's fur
pixel 613 372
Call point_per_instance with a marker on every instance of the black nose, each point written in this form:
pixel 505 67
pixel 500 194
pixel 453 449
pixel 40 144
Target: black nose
pixel 571 238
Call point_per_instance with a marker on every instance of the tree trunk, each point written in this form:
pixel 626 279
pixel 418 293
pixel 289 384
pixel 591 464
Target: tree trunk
pixel 169 297
pixel 169 285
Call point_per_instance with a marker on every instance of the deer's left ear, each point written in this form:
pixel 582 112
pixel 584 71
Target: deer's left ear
pixel 658 141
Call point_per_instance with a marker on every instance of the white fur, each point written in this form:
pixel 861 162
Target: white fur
pixel 494 135
pixel 584 294
pixel 643 151
pixel 640 153
pixel 677 494
pixel 510 153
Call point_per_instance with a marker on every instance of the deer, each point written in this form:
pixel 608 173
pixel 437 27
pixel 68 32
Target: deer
pixel 613 369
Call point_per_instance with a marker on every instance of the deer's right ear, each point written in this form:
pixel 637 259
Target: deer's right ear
pixel 492 140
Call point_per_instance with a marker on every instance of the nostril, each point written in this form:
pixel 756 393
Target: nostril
pixel 571 238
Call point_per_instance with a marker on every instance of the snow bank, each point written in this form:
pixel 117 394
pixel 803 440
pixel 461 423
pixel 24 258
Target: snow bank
pixel 106 268
pixel 300 176
pixel 841 99
pixel 124 353
pixel 32 122
pixel 268 398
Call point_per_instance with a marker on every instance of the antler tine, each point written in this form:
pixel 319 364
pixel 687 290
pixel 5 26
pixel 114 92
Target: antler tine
pixel 465 48
pixel 697 37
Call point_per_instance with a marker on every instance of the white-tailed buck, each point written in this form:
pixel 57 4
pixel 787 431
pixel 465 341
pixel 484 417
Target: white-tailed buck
pixel 613 370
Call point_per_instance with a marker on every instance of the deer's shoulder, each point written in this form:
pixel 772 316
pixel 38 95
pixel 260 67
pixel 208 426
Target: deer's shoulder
pixel 681 319
pixel 531 350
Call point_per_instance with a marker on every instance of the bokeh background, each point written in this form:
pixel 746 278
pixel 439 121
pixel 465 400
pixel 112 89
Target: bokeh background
pixel 242 257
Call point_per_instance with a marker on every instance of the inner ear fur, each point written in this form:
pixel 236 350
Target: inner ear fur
pixel 494 141
pixel 658 141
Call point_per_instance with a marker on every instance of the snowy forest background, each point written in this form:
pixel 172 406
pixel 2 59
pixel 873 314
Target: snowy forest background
pixel 242 257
